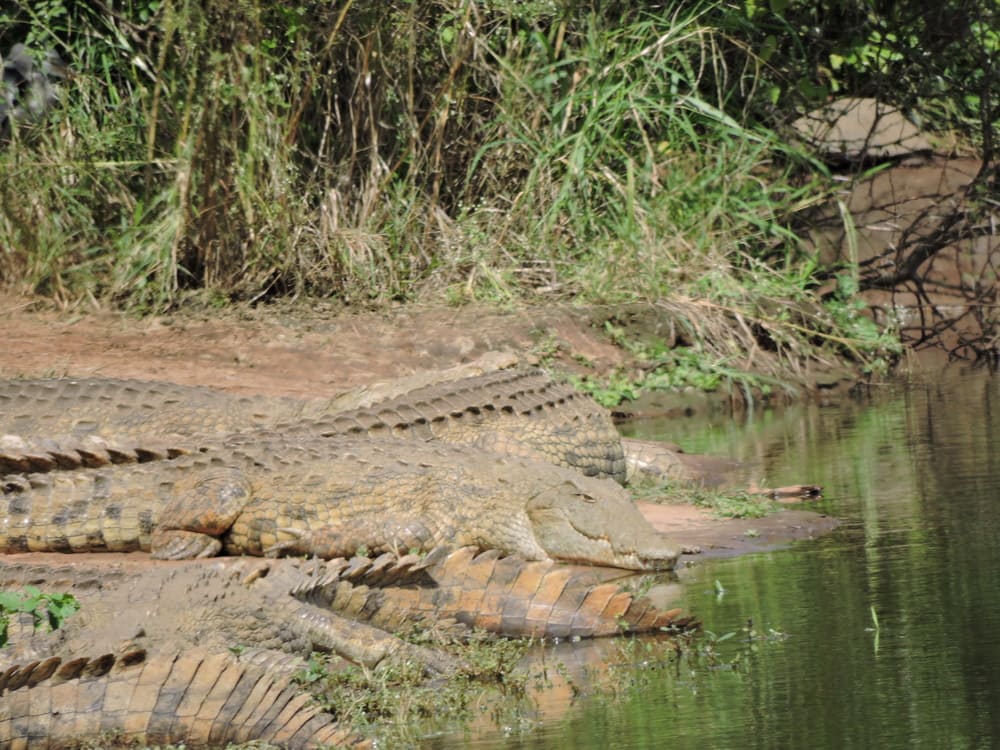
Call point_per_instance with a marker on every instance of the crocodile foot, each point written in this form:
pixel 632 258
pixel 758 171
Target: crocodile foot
pixel 177 544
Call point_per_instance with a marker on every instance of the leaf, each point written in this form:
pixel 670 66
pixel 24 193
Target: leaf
pixel 10 601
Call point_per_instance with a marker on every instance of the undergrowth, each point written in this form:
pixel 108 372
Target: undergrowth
pixel 394 701
pixel 443 150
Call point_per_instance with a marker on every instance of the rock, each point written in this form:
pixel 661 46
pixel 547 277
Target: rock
pixel 860 130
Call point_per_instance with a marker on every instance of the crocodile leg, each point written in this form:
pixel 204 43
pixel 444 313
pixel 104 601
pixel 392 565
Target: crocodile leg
pixel 346 537
pixel 366 644
pixel 205 509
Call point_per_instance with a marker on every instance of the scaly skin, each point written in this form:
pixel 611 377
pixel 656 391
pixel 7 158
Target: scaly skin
pixel 173 626
pixel 218 604
pixel 345 606
pixel 194 697
pixel 53 424
pixel 511 597
pixel 329 497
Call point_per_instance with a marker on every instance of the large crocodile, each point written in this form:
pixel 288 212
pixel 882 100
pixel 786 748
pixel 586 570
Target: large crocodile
pixel 152 615
pixel 350 607
pixel 93 421
pixel 330 497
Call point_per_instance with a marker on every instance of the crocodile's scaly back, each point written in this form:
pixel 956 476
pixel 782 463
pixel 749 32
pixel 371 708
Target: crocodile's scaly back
pixel 513 412
pixel 194 697
pixel 126 409
pixel 51 424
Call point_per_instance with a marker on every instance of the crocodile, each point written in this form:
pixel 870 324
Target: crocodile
pixel 145 621
pixel 281 494
pixel 64 423
pixel 218 604
pixel 195 697
pixel 349 607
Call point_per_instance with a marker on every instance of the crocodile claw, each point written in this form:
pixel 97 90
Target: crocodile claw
pixel 289 546
pixel 177 544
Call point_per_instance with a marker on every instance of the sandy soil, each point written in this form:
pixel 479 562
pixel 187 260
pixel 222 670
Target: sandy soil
pixel 322 350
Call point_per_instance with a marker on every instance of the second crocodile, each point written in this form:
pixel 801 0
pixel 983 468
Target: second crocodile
pixel 63 423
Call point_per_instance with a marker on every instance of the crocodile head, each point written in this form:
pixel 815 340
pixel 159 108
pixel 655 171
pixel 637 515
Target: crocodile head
pixel 594 521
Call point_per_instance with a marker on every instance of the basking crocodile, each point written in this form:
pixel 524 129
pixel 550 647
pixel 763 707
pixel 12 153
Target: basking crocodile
pixel 149 616
pixel 193 697
pixel 344 606
pixel 216 604
pixel 330 497
pixel 70 422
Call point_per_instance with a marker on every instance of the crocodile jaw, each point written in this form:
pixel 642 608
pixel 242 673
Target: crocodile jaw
pixel 562 541
pixel 596 522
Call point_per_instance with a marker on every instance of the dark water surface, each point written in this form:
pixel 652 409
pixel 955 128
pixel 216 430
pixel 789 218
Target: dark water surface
pixel 914 472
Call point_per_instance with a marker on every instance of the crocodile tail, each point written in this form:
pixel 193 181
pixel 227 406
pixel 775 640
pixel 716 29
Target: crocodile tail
pixel 509 596
pixel 194 697
pixel 73 512
pixel 24 455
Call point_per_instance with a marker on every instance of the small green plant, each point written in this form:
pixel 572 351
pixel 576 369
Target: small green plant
pixel 608 391
pixel 722 502
pixel 48 610
pixel 877 347
pixel 737 504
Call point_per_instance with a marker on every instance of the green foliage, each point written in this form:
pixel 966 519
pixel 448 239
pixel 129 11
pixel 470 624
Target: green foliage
pixel 609 391
pixel 939 60
pixel 848 314
pixel 665 367
pixel 47 610
pixel 504 151
pixel 724 503
pixel 737 504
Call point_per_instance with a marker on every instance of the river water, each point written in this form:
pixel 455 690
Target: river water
pixel 883 634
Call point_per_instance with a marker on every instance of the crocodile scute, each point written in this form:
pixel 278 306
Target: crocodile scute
pixel 92 421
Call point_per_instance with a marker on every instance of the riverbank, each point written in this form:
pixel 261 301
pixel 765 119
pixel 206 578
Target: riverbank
pixel 323 350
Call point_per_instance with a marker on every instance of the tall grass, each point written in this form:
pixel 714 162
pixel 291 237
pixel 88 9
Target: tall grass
pixel 442 149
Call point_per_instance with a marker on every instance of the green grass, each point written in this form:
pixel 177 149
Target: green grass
pixel 395 702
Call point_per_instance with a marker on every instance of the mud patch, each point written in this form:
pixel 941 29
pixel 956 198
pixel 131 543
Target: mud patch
pixel 693 526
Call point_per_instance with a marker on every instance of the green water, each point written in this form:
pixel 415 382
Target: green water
pixel 914 473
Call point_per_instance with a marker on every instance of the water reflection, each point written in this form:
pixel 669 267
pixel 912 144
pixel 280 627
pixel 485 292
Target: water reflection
pixel 915 473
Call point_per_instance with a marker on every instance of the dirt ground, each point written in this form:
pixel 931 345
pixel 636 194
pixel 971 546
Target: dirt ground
pixel 321 350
